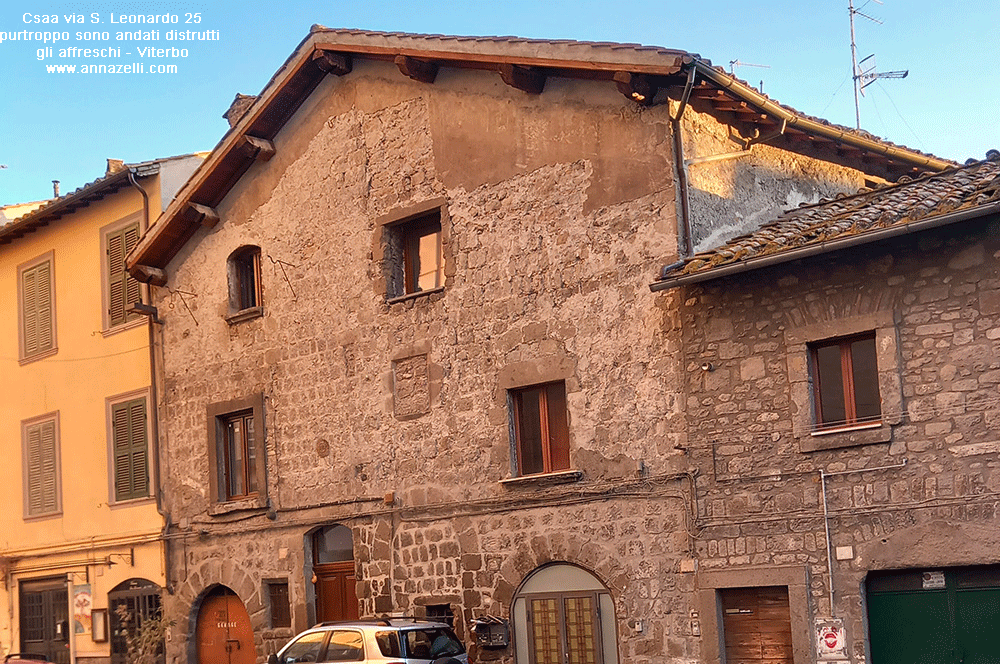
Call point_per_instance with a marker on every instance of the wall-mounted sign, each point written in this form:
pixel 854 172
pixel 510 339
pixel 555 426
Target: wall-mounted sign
pixel 933 580
pixel 831 641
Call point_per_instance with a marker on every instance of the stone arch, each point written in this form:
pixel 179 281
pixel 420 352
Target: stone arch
pixel 201 581
pixel 556 548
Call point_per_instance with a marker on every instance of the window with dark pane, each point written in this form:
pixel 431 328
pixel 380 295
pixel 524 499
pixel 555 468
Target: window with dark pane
pixel 540 428
pixel 240 454
pixel 414 255
pixel 281 613
pixel 244 278
pixel 845 382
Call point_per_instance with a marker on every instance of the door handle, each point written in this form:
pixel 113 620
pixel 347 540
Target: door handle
pixel 229 644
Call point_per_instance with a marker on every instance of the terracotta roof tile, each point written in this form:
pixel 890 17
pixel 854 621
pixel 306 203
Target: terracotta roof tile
pixel 962 188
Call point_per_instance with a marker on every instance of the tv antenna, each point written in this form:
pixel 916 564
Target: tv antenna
pixel 864 71
pixel 733 64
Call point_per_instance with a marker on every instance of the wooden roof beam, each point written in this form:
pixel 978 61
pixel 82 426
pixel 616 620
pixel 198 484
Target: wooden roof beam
pixel 525 79
pixel 418 70
pixel 331 62
pixel 204 215
pixel 258 149
pixel 637 87
pixel 150 275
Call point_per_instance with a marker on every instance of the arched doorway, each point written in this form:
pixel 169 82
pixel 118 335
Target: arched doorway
pixel 333 574
pixel 224 634
pixel 564 615
pixel 132 604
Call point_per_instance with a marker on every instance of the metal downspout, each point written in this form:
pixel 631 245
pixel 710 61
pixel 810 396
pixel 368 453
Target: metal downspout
pixel 684 244
pixel 154 419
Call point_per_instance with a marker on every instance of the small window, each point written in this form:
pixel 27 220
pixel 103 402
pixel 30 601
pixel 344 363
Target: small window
pixel 41 467
pixel 280 608
pixel 307 648
pixel 344 646
pixel 244 279
pixel 415 259
pixel 541 433
pixel 441 613
pixel 236 447
pixel 130 449
pixel 845 382
pixel 36 299
pixel 240 453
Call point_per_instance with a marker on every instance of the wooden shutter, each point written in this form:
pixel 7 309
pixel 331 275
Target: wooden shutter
pixel 36 312
pixel 123 290
pixel 42 480
pixel 128 432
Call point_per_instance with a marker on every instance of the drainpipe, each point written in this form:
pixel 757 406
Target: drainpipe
pixel 826 518
pixel 70 622
pixel 154 420
pixel 684 242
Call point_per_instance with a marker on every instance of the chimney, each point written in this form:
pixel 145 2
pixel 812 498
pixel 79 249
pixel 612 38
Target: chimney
pixel 115 165
pixel 241 104
pixel 55 189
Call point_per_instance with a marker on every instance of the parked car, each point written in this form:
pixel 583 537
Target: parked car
pixel 379 641
pixel 25 658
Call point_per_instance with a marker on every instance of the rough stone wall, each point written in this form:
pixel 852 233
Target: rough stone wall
pixel 364 398
pixel 930 500
pixel 737 195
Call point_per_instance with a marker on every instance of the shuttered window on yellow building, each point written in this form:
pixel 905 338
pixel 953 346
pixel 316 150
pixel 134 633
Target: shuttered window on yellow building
pixel 123 290
pixel 130 449
pixel 41 465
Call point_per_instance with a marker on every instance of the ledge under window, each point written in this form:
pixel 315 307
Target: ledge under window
pixel 860 434
pixel 544 479
pixel 245 315
pixel 256 503
pixel 413 296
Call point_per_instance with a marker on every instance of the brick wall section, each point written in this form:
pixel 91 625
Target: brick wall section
pixel 760 498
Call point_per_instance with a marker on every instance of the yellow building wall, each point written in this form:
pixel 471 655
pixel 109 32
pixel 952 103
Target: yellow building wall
pixel 92 541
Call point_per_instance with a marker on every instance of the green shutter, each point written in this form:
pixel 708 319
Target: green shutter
pixel 42 480
pixel 123 290
pixel 130 449
pixel 36 311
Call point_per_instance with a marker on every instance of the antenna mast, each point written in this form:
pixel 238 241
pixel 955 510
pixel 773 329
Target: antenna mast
pixel 865 77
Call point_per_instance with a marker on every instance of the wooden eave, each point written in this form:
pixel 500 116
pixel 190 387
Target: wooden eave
pixel 304 70
pixel 63 206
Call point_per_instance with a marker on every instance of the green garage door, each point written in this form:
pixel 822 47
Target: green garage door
pixel 939 616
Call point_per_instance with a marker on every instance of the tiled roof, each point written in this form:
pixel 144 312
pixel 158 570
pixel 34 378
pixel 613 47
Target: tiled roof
pixel 848 219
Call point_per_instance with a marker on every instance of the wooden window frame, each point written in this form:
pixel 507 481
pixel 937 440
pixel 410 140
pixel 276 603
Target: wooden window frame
pixel 245 290
pixel 56 467
pixel 114 498
pixel 278 612
pixel 28 352
pixel 554 429
pixel 848 387
pixel 132 290
pixel 218 416
pixel 397 247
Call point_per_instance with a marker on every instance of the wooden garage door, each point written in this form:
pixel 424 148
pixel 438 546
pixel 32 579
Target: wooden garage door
pixel 757 625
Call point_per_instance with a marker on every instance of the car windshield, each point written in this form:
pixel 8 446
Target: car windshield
pixel 431 643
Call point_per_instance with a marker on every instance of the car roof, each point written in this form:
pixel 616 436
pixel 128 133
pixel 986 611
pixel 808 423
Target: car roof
pixel 391 622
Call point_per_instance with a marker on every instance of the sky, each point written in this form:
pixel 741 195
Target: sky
pixel 61 126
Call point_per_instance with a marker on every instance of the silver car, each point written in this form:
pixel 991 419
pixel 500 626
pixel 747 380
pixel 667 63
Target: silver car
pixel 383 640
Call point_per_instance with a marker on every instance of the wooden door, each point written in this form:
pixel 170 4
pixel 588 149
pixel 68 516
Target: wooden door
pixel 757 625
pixel 336 593
pixel 44 623
pixel 224 633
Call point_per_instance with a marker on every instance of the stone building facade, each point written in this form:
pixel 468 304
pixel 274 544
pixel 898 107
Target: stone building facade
pixel 409 359
pixel 899 506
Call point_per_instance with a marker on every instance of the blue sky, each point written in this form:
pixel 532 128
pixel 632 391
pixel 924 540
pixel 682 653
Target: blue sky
pixel 60 126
